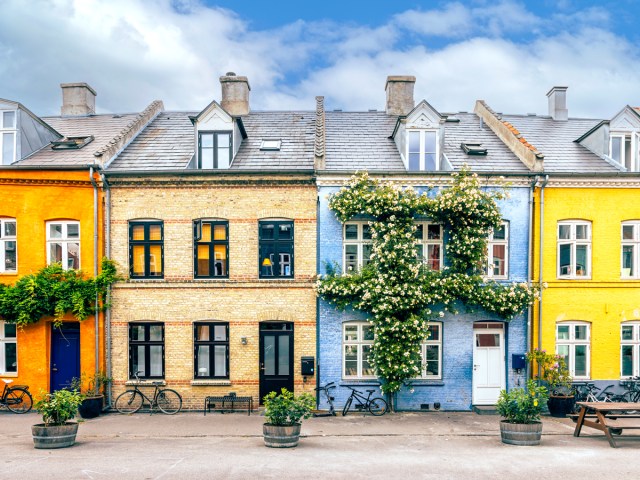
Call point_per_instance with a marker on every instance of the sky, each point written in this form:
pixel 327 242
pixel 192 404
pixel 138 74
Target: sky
pixel 506 52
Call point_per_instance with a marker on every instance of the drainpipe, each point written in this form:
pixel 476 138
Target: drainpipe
pixel 317 302
pixel 542 185
pixel 95 264
pixel 530 272
pixel 107 313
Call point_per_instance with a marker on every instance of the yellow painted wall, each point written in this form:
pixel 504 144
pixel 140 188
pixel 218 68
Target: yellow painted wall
pixel 604 300
pixel 34 197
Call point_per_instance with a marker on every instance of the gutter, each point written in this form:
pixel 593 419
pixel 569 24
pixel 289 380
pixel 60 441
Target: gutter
pixel 95 265
pixel 107 319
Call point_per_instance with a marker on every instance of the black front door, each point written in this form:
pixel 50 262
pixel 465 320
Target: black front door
pixel 276 357
pixel 65 354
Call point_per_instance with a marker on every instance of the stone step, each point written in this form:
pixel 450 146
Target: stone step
pixel 485 409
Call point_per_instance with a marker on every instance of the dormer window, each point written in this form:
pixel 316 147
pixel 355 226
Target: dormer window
pixel 623 148
pixel 214 150
pixel 7 136
pixel 423 150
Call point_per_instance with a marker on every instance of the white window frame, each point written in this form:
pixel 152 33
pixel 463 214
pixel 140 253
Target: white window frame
pixel 423 151
pixel 634 343
pixel 569 272
pixel 358 242
pixel 634 243
pixel 3 240
pixel 8 129
pixel 430 342
pixel 425 242
pixel 359 342
pixel 4 340
pixel 64 240
pixel 634 142
pixel 491 242
pixel 572 342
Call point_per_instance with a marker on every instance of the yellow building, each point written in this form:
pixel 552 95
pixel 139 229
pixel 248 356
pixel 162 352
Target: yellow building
pixel 586 224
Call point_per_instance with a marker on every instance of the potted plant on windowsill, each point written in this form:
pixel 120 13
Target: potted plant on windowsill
pixel 554 372
pixel 521 409
pixel 57 409
pixel 93 390
pixel 283 412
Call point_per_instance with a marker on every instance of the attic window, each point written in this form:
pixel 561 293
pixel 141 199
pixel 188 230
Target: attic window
pixel 270 144
pixel 71 143
pixel 473 148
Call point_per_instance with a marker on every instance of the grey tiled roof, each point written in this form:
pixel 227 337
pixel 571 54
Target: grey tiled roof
pixel 360 141
pixel 166 144
pixel 103 127
pixel 469 130
pixel 555 140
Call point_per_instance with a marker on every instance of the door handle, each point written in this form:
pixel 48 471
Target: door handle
pixel 262 367
pixel 54 369
pixel 474 366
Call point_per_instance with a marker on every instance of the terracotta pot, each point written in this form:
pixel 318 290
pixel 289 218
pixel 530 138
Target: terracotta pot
pixel 54 436
pixel 521 433
pixel 278 436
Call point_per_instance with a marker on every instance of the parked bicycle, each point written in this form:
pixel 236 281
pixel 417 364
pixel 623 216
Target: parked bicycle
pixel 16 398
pixel 167 400
pixel 377 406
pixel 325 396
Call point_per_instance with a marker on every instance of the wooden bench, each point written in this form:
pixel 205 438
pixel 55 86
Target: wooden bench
pixel 227 402
pixel 608 417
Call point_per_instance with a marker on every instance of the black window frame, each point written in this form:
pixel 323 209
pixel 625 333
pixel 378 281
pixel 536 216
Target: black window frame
pixel 212 343
pixel 216 134
pixel 197 235
pixel 279 246
pixel 146 243
pixel 147 343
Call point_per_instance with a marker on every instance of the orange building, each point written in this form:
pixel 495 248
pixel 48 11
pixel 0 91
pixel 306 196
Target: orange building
pixel 51 210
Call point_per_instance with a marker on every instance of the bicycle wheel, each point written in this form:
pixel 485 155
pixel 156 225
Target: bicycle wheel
pixel 19 400
pixel 169 401
pixel 378 406
pixel 129 402
pixel 347 406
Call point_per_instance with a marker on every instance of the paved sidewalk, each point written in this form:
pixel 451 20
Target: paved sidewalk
pixel 434 445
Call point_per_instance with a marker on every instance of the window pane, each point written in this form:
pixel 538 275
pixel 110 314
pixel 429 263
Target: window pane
pixel 206 158
pixel 580 332
pixel 8 119
pixel 419 233
pixel 563 332
pixel 285 232
pixel 366 231
pixel 10 256
pixel 11 357
pixel 137 333
pixel 219 232
pixel 420 253
pixel 627 232
pixel 367 333
pixel 627 260
pixel 350 258
pixel 414 142
pixel 55 252
pixel 563 351
pixel 366 253
pixel 73 230
pixel 155 260
pixel 351 333
pixel 581 360
pixel 9 229
pixel 430 162
pixel 351 231
pixel 206 232
pixel 202 333
pixel 616 148
pixel 434 232
pixel 582 232
pixel 203 260
pixel 565 259
pixel 627 153
pixel 7 148
pixel 434 333
pixel 414 162
pixel 433 260
pixel 219 333
pixel 627 332
pixel 283 355
pixel 155 232
pixel 430 142
pixel 138 361
pixel 367 369
pixel 220 260
pixel 220 360
pixel 350 360
pixel 206 140
pixel 267 231
pixel 269 355
pixel 627 360
pixel 499 257
pixel 55 230
pixel 564 232
pixel 203 360
pixel 487 340
pixel 155 360
pixel 433 365
pixel 73 255
pixel 223 156
pixel 138 260
pixel 9 330
pixel 284 262
pixel 137 232
pixel 155 333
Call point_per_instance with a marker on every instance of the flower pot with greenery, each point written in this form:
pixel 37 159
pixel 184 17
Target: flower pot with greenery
pixel 93 389
pixel 521 409
pixel 283 412
pixel 554 372
pixel 57 409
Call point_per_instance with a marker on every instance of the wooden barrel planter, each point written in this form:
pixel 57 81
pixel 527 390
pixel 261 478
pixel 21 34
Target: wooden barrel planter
pixel 521 433
pixel 277 436
pixel 58 436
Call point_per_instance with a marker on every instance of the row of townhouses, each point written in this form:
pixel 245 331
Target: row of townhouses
pixel 219 222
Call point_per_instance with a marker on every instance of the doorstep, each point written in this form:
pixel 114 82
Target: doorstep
pixel 484 409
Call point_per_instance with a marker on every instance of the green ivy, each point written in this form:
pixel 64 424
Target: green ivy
pixel 396 289
pixel 52 292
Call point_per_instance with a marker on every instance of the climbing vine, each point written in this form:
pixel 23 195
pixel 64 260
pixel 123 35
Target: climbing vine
pixel 396 289
pixel 52 292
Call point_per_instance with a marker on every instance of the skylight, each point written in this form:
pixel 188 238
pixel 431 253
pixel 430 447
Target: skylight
pixel 473 148
pixel 71 143
pixel 270 144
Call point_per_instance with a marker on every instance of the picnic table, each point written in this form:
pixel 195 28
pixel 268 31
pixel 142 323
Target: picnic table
pixel 608 417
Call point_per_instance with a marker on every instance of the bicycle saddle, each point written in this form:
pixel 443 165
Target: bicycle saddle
pixel 7 381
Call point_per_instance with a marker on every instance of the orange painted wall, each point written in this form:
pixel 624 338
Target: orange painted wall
pixel 34 197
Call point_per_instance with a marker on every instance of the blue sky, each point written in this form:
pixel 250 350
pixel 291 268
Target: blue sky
pixel 506 52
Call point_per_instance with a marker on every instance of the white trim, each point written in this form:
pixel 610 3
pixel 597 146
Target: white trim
pixel 3 342
pixel 569 271
pixel 3 240
pixel 634 343
pixel 423 152
pixel 64 242
pixel 634 143
pixel 571 343
pixel 359 343
pixel 423 352
pixel 634 243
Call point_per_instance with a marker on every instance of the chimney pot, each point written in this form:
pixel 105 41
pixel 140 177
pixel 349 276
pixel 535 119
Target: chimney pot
pixel 235 94
pixel 399 90
pixel 558 104
pixel 77 99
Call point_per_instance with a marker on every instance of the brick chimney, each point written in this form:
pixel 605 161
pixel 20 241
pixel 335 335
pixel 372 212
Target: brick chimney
pixel 77 99
pixel 235 94
pixel 399 90
pixel 558 104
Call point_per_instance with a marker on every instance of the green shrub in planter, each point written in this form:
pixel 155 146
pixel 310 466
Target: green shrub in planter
pixel 286 409
pixel 520 405
pixel 58 407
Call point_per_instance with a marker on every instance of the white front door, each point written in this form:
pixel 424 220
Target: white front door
pixel 488 366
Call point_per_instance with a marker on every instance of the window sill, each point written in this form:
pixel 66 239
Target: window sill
pixel 361 382
pixel 9 374
pixel 419 382
pixel 146 383
pixel 206 383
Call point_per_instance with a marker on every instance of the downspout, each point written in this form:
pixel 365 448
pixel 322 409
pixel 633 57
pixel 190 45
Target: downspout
pixel 95 267
pixel 107 313
pixel 318 303
pixel 530 272
pixel 540 282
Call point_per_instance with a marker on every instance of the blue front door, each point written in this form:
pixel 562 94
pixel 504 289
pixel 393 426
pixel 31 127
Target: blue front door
pixel 65 354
